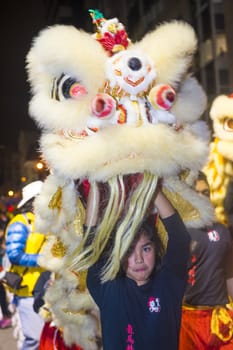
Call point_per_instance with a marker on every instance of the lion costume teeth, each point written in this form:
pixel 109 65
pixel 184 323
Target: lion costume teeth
pixel 108 110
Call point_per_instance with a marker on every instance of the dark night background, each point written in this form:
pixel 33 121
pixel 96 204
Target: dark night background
pixel 20 22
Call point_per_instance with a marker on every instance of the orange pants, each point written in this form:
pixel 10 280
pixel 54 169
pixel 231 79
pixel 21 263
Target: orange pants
pixel 51 338
pixel 196 334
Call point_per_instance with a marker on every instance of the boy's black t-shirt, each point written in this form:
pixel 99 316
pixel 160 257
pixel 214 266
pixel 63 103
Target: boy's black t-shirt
pixel 145 317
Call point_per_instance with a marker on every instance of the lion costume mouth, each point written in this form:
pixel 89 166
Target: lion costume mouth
pixel 159 149
pixel 134 83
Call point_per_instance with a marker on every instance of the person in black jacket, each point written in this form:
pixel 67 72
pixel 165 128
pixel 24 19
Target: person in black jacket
pixel 5 322
pixel 207 315
pixel 40 289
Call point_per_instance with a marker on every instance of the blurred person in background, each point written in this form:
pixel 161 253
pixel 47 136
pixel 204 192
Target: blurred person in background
pixel 207 315
pixel 23 245
pixel 5 322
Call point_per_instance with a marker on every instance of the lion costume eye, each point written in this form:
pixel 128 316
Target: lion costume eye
pixel 162 96
pixel 228 124
pixel 66 87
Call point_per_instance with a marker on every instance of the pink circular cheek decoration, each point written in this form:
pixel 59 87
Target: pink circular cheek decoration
pixel 103 106
pixel 161 102
pixel 77 90
pixel 166 97
pixel 108 107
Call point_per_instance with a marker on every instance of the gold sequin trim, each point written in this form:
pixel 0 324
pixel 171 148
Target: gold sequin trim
pixel 58 249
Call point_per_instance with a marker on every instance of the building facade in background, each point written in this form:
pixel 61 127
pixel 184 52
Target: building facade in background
pixel 211 19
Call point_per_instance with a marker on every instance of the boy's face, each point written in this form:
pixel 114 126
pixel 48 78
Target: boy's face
pixel 141 261
pixel 202 188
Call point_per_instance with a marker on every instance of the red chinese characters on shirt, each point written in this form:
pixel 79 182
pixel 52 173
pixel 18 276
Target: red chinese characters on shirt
pixel 191 272
pixel 130 340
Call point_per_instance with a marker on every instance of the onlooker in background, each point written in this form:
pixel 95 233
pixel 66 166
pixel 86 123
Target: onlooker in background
pixel 4 219
pixel 5 322
pixel 39 290
pixel 23 245
pixel 207 316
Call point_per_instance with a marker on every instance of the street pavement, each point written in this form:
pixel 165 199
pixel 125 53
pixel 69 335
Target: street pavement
pixel 7 341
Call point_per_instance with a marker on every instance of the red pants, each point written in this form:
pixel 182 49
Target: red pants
pixel 195 333
pixel 51 338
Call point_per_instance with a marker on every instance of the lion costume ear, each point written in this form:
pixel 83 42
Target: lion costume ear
pixel 60 57
pixel 191 101
pixel 171 47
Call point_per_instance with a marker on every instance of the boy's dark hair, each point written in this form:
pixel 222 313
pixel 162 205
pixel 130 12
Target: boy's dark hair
pixel 202 176
pixel 148 228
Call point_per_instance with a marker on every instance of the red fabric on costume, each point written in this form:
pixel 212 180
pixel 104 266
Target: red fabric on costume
pixel 85 188
pixel 51 338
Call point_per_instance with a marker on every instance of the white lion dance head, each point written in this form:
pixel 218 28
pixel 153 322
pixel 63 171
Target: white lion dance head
pixel 122 115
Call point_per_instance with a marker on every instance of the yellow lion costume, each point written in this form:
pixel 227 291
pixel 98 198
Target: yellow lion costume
pixel 219 169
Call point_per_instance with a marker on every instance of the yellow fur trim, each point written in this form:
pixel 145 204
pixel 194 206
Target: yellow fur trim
pixel 218 179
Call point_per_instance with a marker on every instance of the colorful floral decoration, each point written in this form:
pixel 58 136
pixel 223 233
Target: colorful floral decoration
pixel 110 33
pixel 121 115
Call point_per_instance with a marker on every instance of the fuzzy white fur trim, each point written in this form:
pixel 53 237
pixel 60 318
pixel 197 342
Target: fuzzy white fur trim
pixel 63 49
pixel 200 129
pixel 225 148
pixel 170 46
pixel 65 304
pixel 47 219
pixel 85 337
pixel 49 114
pixel 123 150
pixel 191 101
pixel 47 260
pixel 202 204
pixel 222 106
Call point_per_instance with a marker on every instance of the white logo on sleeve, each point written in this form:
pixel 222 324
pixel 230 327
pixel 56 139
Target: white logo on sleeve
pixel 213 236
